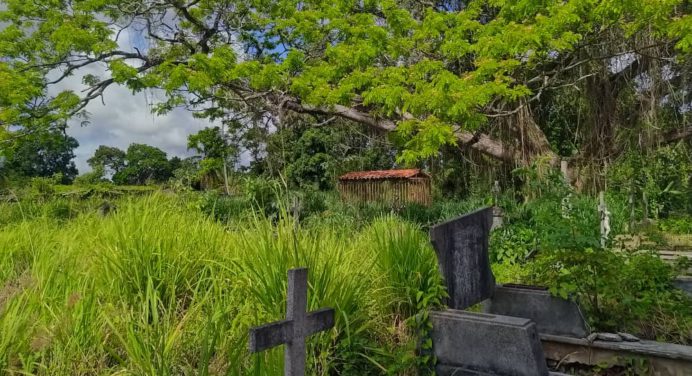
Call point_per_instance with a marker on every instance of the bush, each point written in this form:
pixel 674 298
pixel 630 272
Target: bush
pixel 660 181
pixel 265 194
pixel 42 188
pixel 619 291
pixel 90 178
pixel 60 209
pixel 512 244
pixel 676 225
pixel 221 207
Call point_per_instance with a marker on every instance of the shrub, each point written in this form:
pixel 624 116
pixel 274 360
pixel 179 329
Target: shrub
pixel 60 209
pixel 619 291
pixel 221 207
pixel 512 244
pixel 42 188
pixel 676 225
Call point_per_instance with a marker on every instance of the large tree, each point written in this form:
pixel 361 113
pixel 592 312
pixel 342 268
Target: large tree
pixel 40 153
pixel 437 72
pixel 216 152
pixel 144 164
pixel 109 159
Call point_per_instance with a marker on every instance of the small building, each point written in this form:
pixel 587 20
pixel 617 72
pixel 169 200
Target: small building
pixel 394 187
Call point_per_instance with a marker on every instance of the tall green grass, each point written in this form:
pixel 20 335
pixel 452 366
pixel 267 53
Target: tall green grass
pixel 160 289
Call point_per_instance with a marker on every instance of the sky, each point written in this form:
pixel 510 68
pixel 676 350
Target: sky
pixel 126 117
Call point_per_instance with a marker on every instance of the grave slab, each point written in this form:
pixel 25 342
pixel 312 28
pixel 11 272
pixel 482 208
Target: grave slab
pixel 461 246
pixel 486 344
pixel 663 359
pixel 551 314
pixel 458 371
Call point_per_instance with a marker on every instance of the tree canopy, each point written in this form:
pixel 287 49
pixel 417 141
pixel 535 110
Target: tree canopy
pixel 108 158
pixel 312 157
pixel 40 154
pixel 464 73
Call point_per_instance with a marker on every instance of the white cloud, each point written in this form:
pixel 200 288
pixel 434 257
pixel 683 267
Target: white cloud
pixel 124 118
pixel 127 119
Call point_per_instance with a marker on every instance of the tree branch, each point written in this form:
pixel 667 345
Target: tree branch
pixel 480 142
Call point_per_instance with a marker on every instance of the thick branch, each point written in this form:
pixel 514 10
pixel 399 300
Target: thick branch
pixel 344 112
pixel 672 136
pixel 482 142
pixel 488 146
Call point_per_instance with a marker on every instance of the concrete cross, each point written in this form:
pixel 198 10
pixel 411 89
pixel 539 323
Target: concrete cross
pixel 298 325
pixel 605 218
pixel 496 192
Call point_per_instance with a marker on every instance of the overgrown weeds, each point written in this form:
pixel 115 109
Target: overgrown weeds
pixel 159 289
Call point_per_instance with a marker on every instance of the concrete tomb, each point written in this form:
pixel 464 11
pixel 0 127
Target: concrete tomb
pixel 505 342
pixel 466 342
pixel 522 324
pixel 551 314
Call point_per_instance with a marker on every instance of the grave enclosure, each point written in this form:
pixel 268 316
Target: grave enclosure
pixel 521 326
pixel 519 329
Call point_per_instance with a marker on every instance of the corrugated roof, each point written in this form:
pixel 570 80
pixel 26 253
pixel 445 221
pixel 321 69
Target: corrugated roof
pixel 383 174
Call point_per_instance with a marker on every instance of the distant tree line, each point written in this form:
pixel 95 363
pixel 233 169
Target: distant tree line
pixel 304 156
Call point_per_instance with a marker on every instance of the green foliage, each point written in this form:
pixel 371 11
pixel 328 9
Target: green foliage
pixel 209 143
pixel 660 183
pixel 185 174
pixel 541 181
pixel 676 225
pixel 435 68
pixel 619 291
pixel 512 244
pixel 553 239
pixel 143 164
pixel 215 151
pixel 93 177
pixel 223 208
pixel 265 194
pixel 313 157
pixel 109 159
pixel 156 288
pixel 43 188
pixel 40 153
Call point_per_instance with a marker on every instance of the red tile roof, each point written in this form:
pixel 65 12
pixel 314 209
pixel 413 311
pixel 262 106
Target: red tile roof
pixel 383 174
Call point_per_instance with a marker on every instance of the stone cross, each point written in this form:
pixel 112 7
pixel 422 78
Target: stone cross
pixel 298 325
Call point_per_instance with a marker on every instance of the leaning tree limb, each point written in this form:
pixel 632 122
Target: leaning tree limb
pixel 481 142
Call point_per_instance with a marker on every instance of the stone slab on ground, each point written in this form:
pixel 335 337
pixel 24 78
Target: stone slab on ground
pixel 664 359
pixel 458 371
pixel 494 344
pixel 461 245
pixel 551 314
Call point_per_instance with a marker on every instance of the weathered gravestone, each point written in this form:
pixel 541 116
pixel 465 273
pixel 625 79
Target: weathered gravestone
pixel 461 246
pixel 467 343
pixel 551 314
pixel 298 325
pixel 506 342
